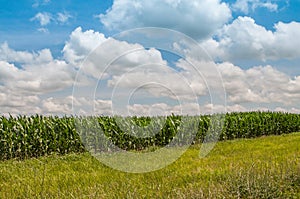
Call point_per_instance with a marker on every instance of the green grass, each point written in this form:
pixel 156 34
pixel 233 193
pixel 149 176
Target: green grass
pixel 266 167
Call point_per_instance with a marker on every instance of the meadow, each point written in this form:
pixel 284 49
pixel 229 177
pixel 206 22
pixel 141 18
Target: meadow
pixel 257 157
pixel 266 167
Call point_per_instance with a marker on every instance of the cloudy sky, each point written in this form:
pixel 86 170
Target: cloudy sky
pixel 146 57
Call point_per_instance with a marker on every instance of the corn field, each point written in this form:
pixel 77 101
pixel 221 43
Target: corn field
pixel 33 136
pixel 24 137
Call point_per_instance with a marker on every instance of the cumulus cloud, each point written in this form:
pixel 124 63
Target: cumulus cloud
pixel 139 66
pixel 290 110
pixel 11 99
pixel 163 109
pixel 24 57
pixel 243 39
pixel 103 107
pixel 57 105
pixel 30 81
pixel 261 84
pixel 106 53
pixel 63 105
pixel 194 109
pixel 53 76
pixel 44 18
pixel 15 103
pixel 88 106
pixel 195 18
pixel 245 5
pixel 80 44
pixel 128 66
pixel 160 81
pixel 36 73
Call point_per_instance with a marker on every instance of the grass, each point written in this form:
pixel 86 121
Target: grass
pixel 266 167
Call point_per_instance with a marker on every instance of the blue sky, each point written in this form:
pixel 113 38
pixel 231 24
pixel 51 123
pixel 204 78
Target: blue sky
pixel 287 11
pixel 22 33
pixel 19 31
pixel 252 43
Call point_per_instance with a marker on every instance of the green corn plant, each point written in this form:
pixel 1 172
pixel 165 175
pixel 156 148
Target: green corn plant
pixel 33 136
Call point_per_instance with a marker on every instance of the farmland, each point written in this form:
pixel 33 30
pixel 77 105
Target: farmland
pixel 266 167
pixel 24 137
pixel 257 156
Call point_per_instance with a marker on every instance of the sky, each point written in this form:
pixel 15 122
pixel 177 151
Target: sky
pixel 139 57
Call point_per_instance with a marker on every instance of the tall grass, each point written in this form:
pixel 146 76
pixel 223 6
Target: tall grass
pixel 266 167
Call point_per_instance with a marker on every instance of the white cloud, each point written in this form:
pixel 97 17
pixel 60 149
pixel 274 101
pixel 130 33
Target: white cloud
pixel 81 44
pixel 243 39
pixel 15 103
pixel 262 84
pixel 63 105
pixel 63 17
pixel 103 107
pixel 30 81
pixel 289 110
pixel 131 66
pixel 44 18
pixel 245 5
pixel 7 71
pixel 188 109
pixel 160 81
pixel 37 79
pixel 43 30
pixel 87 106
pixel 163 109
pixel 10 99
pixel 24 57
pixel 106 53
pixel 40 2
pixel 37 72
pixel 58 105
pixel 195 18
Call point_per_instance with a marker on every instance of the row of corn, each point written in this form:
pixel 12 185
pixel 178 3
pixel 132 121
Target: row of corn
pixel 33 136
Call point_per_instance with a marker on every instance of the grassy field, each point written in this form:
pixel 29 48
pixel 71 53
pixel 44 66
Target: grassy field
pixel 265 167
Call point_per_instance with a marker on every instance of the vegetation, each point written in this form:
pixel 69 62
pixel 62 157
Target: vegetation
pixel 34 136
pixel 265 167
